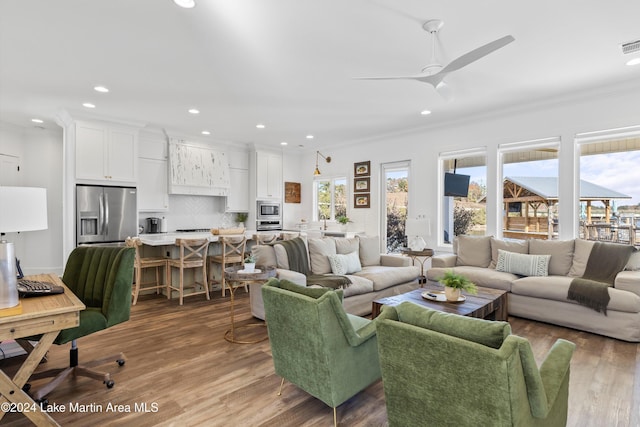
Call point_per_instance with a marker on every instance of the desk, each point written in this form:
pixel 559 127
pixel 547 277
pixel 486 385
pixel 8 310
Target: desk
pixel 236 280
pixel 46 315
pixel 422 256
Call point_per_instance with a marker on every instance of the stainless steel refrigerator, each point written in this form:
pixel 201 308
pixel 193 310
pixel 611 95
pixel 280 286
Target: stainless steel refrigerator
pixel 105 214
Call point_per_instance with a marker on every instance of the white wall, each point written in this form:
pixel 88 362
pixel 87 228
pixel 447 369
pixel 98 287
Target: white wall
pixel 559 119
pixel 40 152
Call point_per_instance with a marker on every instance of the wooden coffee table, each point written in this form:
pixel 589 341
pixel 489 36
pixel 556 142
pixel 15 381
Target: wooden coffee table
pixel 488 304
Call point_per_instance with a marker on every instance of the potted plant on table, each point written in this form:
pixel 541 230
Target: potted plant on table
pixel 241 217
pixel 343 220
pixel 455 283
pixel 249 264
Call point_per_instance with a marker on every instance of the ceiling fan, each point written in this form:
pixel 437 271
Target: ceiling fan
pixel 434 73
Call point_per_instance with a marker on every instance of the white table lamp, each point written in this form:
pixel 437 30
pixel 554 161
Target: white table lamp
pixel 21 209
pixel 416 231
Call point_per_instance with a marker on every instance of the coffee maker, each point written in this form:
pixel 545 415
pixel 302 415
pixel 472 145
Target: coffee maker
pixel 154 225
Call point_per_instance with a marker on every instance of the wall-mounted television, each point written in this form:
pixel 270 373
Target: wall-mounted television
pixel 456 185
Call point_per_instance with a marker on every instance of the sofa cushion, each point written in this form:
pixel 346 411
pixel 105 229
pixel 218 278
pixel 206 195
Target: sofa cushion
pixel 319 249
pixel 265 255
pixel 281 256
pixel 369 250
pixel 474 251
pixel 517 246
pixel 581 251
pixel 345 263
pixel 556 288
pixel 384 277
pixel 359 285
pixel 523 264
pixel 561 252
pixel 485 332
pixel 346 246
pixel 485 277
pixel 634 261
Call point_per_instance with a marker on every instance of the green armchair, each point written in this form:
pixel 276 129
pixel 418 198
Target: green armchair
pixel 441 369
pixel 101 277
pixel 316 345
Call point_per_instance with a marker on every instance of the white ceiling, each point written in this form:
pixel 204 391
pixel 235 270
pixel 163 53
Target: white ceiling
pixel 290 63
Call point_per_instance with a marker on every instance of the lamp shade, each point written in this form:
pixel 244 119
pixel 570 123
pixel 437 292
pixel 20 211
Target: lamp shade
pixel 23 209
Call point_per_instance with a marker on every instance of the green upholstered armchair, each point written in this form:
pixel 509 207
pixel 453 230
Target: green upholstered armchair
pixel 442 369
pixel 316 345
pixel 101 278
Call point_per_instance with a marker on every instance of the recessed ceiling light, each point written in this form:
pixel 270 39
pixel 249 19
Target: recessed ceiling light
pixel 284 143
pixel 425 112
pixel 260 126
pixel 37 121
pixel 88 105
pixel 194 111
pixel 309 136
pixel 206 132
pixel 101 89
pixel 634 61
pixel 187 4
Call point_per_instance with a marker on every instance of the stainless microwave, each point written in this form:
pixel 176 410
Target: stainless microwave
pixel 268 210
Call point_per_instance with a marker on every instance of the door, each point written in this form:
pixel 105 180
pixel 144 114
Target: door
pixel 120 213
pixel 395 196
pixel 9 169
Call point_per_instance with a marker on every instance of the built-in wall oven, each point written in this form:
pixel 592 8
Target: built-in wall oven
pixel 268 215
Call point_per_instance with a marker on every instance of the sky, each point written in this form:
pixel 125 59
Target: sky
pixel 617 171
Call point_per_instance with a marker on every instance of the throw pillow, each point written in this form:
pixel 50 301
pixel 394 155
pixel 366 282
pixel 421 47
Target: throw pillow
pixel 523 264
pixel 281 257
pixel 634 261
pixel 346 246
pixel 518 246
pixel 319 249
pixel 474 251
pixel 369 250
pixel 561 252
pixel 265 255
pixel 342 264
pixel 582 250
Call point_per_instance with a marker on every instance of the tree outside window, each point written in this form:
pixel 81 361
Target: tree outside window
pixel 331 198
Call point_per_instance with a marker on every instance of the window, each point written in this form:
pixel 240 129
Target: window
pixel 395 193
pixel 609 194
pixel 463 188
pixel 330 198
pixel 530 192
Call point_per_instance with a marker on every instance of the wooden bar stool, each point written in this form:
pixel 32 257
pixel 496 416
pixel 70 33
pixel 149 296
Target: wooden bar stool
pixel 264 239
pixel 140 264
pixel 233 248
pixel 193 254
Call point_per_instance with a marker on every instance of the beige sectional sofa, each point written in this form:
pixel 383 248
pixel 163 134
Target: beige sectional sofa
pixel 544 298
pixel 373 276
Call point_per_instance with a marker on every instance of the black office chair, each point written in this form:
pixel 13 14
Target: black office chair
pixel 101 277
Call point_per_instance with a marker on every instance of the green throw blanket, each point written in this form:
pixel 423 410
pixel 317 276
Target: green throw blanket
pixel 299 261
pixel 605 261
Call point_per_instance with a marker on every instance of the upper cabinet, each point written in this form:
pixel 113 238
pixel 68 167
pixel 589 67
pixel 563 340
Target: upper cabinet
pixel 106 152
pixel 153 193
pixel 238 197
pixel 197 170
pixel 268 175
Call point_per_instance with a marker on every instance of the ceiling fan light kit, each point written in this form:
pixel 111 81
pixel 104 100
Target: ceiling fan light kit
pixel 434 73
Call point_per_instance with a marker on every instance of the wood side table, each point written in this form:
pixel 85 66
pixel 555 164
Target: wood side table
pixel 236 278
pixel 421 256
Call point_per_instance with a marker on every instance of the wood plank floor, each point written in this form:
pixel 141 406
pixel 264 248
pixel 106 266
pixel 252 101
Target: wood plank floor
pixel 178 360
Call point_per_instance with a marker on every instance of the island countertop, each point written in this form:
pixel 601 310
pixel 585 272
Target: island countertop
pixel 165 239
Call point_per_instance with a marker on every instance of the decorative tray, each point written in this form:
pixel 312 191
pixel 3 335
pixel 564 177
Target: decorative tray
pixel 257 270
pixel 440 296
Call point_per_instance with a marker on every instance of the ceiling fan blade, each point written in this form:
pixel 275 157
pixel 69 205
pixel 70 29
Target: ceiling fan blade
pixel 476 54
pixel 416 77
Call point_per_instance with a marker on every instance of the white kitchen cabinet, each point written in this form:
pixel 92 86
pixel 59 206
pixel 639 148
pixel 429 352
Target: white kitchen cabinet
pixel 238 197
pixel 106 153
pixel 153 195
pixel 268 175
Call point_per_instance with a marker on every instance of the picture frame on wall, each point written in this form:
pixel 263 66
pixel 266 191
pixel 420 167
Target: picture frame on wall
pixel 292 192
pixel 362 169
pixel 362 200
pixel 361 185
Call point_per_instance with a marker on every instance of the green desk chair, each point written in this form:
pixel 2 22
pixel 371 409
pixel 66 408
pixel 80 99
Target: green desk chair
pixel 442 369
pixel 101 278
pixel 316 345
